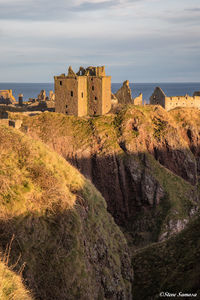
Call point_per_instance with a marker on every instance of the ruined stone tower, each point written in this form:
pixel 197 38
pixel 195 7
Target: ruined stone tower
pixel 87 92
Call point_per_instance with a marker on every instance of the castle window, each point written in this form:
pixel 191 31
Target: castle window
pixel 93 87
pixel 66 106
pixel 95 112
pixel 66 112
pixel 60 82
pixel 95 98
pixel 91 79
pixel 72 94
pixel 82 94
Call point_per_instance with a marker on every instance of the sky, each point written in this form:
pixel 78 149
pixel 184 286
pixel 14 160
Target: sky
pixel 138 40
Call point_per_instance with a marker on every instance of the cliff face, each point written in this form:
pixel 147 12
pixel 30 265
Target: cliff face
pixel 171 266
pixel 64 240
pixel 141 160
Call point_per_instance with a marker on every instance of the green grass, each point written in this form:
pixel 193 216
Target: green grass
pixel 171 266
pixel 11 285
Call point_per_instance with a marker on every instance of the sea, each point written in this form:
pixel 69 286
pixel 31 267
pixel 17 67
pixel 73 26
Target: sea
pixel 31 90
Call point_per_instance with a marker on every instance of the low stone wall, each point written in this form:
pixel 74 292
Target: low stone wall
pixel 13 123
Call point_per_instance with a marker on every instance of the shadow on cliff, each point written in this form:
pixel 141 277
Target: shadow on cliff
pixel 145 198
pixel 77 253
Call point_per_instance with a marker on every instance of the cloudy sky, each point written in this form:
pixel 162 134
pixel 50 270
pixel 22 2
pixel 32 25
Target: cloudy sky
pixel 139 40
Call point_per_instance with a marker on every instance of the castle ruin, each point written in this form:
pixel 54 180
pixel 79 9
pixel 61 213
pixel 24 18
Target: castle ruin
pixel 87 92
pixel 159 98
pixel 6 97
pixel 124 96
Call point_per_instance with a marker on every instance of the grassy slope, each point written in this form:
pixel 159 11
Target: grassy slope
pixel 62 229
pixel 11 286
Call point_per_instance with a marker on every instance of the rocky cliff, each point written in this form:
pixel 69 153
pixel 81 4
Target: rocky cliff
pixel 140 159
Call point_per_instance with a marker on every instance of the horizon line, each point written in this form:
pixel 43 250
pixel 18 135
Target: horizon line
pixel 155 82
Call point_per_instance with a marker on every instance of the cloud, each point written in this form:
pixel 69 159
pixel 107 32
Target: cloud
pixel 93 6
pixel 50 9
pixel 136 40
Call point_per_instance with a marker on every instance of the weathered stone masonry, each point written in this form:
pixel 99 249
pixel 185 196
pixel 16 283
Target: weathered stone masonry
pixel 159 98
pixel 87 92
pixel 6 97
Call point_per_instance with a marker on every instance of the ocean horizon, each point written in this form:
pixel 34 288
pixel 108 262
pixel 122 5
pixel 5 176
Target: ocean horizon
pixel 31 90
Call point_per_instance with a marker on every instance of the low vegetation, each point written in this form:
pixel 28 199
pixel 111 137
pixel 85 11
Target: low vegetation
pixel 63 234
pixel 11 286
pixel 171 266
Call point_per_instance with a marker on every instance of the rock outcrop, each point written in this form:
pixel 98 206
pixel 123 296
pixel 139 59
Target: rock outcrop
pixel 124 94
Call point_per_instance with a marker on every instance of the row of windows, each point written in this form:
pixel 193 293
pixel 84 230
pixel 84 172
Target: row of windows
pixel 92 86
pixel 72 94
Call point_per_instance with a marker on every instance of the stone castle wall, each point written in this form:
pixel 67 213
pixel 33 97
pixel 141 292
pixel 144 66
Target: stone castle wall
pixel 159 98
pixel 106 97
pixel 86 93
pixel 94 95
pixel 138 100
pixel 124 94
pixel 66 95
pixel 82 96
pixel 182 101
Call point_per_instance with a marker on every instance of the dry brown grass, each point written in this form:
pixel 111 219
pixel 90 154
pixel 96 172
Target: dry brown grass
pixel 11 284
pixel 32 178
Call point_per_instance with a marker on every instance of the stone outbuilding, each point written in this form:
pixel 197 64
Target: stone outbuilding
pixel 159 98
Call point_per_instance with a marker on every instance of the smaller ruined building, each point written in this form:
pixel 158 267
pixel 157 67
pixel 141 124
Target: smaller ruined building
pixel 124 96
pixel 197 93
pixel 159 98
pixel 87 92
pixel 6 97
